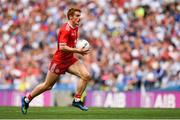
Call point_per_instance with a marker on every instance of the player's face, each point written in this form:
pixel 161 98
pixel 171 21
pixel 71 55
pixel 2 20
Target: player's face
pixel 76 18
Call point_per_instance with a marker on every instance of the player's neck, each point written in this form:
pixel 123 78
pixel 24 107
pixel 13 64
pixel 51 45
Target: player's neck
pixel 71 24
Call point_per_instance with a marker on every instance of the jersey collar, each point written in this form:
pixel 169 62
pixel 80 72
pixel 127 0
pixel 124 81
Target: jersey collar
pixel 71 25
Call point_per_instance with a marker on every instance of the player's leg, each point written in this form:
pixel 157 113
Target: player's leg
pixel 46 85
pixel 50 80
pixel 80 70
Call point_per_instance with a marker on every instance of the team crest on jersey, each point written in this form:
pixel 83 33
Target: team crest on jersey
pixel 75 41
pixel 73 33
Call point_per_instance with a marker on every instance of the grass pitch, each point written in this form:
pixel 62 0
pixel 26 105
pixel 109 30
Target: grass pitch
pixel 92 113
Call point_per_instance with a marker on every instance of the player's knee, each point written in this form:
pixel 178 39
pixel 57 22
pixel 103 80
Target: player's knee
pixel 86 77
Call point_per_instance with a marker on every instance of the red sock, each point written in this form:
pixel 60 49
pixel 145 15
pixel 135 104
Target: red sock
pixel 29 97
pixel 78 96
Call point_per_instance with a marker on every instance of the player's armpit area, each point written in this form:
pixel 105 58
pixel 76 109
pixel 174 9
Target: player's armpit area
pixel 62 44
pixel 64 47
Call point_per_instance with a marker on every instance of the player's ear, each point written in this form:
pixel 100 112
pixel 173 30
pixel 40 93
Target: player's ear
pixel 70 17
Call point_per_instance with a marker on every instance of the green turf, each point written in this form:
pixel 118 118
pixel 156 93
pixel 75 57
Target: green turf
pixel 92 113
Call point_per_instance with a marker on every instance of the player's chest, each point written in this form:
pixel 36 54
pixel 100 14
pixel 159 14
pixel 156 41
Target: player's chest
pixel 73 35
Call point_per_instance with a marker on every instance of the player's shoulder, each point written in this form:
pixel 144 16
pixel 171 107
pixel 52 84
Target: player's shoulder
pixel 65 27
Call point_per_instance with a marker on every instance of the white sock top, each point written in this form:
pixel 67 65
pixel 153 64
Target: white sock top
pixel 77 99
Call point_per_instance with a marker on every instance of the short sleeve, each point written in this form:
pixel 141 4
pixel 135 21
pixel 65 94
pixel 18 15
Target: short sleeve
pixel 63 36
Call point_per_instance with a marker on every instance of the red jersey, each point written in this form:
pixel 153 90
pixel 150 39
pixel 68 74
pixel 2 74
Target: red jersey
pixel 67 34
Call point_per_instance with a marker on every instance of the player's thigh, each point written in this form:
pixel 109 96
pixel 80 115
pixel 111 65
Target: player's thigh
pixel 78 69
pixel 51 78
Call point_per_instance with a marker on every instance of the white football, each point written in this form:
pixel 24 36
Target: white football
pixel 82 44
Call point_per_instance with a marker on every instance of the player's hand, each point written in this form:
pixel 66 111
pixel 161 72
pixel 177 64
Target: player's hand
pixel 83 51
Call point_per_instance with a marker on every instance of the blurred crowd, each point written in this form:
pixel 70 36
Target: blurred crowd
pixel 134 43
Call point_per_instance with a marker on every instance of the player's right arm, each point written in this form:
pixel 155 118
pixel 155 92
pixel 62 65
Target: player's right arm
pixel 63 38
pixel 64 47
